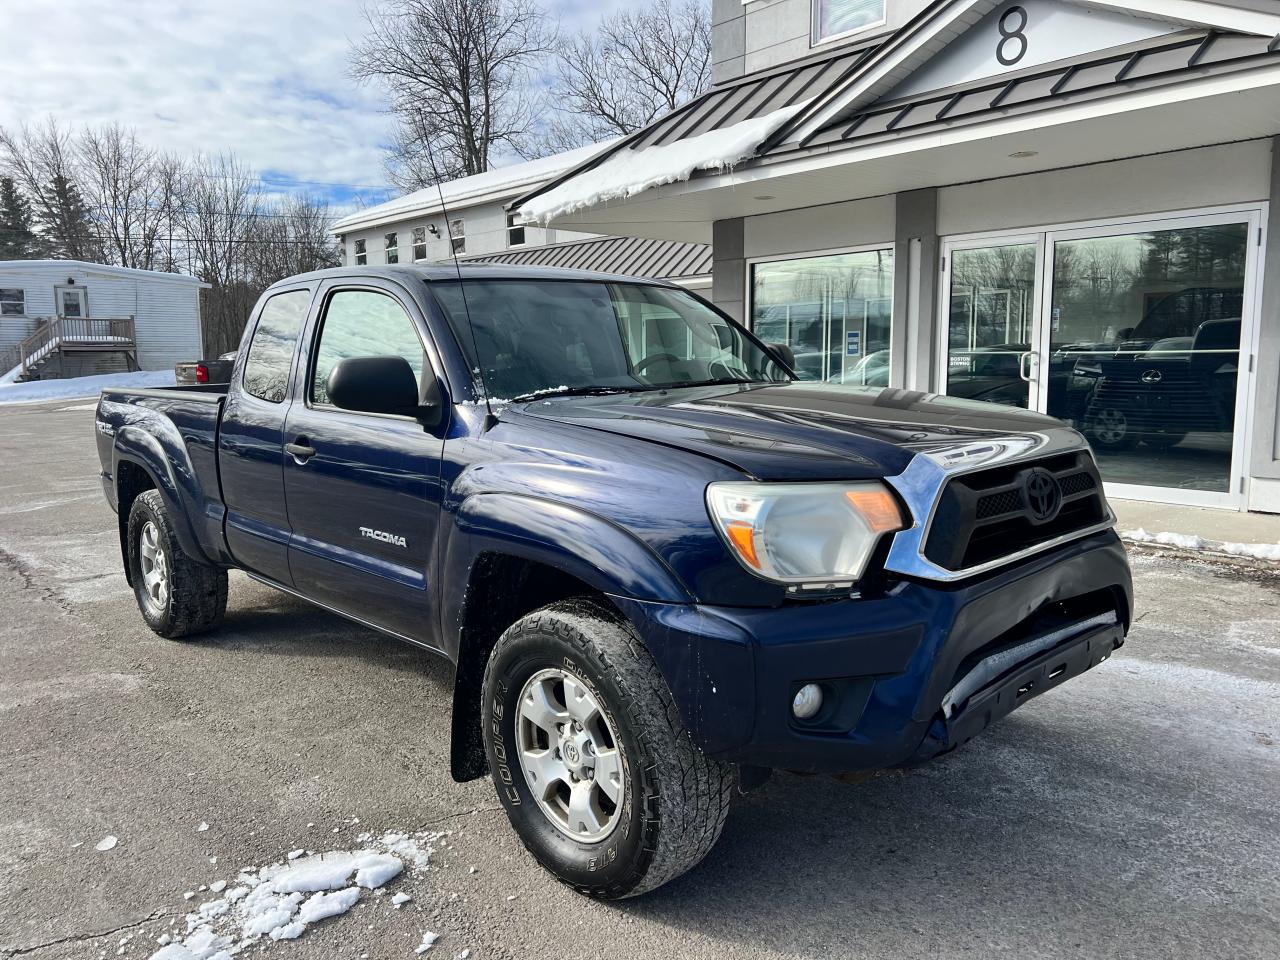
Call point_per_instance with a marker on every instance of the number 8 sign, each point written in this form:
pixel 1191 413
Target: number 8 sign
pixel 1013 26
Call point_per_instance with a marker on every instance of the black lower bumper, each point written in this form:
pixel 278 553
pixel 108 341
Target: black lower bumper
pixel 1011 690
pixel 887 664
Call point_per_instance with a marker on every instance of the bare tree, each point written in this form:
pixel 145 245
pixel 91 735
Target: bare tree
pixel 132 192
pixel 641 63
pixel 44 163
pixel 461 76
pixel 292 238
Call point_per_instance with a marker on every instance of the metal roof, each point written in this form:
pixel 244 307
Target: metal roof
pixel 628 256
pixel 1136 67
pixel 729 103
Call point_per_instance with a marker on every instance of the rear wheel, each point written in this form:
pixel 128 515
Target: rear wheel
pixel 177 596
pixel 597 773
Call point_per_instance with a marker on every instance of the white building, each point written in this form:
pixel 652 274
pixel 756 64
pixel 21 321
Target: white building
pixel 415 228
pixel 65 318
pixel 1061 204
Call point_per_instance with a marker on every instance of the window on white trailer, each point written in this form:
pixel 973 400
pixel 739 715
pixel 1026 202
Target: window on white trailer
pixel 391 244
pixel 419 243
pixel 13 302
pixel 458 235
pixel 362 256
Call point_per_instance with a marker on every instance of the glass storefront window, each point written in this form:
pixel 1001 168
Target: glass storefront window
pixel 834 311
pixel 1145 339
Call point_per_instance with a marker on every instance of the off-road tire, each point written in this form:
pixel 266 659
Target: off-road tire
pixel 676 799
pixel 197 595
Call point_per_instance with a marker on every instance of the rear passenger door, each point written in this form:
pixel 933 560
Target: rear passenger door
pixel 250 439
pixel 364 504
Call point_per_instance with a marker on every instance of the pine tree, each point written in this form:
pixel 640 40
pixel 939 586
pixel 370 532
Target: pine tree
pixel 66 223
pixel 18 239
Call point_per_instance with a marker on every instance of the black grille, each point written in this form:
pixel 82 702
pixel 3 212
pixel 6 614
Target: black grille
pixel 985 516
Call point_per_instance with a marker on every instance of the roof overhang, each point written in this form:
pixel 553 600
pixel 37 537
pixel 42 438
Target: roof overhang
pixel 1242 105
pixel 935 28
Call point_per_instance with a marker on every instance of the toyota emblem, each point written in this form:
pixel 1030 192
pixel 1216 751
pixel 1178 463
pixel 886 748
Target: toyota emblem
pixel 1043 494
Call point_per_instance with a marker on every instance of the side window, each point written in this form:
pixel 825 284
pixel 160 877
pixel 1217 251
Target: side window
pixel 13 302
pixel 391 244
pixel 362 255
pixel 266 371
pixel 361 323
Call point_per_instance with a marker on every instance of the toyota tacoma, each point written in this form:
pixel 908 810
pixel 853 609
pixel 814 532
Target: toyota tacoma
pixel 660 565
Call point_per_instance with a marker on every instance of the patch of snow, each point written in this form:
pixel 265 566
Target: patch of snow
pixel 501 179
pixel 1183 541
pixel 75 388
pixel 630 172
pixel 401 898
pixel 295 854
pixel 428 941
pixel 202 828
pixel 322 905
pixel 281 900
pixel 106 843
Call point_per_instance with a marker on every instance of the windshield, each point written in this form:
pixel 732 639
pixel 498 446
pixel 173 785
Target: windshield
pixel 557 336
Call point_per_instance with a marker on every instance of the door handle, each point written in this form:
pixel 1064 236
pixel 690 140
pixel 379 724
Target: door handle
pixel 301 450
pixel 1029 371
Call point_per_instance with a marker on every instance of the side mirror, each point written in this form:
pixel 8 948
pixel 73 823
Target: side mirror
pixel 784 353
pixel 380 385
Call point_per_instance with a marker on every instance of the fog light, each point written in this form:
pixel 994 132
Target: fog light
pixel 807 702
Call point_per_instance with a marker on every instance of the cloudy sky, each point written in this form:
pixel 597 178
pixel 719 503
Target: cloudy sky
pixel 265 78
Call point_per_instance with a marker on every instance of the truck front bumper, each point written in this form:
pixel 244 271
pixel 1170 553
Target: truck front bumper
pixel 887 665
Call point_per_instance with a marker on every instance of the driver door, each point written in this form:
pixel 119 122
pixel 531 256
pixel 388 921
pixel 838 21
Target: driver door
pixel 363 489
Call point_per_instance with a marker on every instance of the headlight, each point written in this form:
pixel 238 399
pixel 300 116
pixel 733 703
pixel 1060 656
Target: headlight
pixel 810 533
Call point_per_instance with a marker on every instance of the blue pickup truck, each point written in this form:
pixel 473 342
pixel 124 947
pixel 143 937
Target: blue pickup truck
pixel 660 564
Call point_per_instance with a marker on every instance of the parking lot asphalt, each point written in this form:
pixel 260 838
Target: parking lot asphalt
pixel 1134 812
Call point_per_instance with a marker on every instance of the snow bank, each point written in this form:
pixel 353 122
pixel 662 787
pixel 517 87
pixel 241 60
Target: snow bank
pixel 1184 541
pixel 74 388
pixel 281 900
pixel 629 172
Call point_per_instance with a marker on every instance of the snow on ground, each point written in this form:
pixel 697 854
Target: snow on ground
pixel 629 172
pixel 74 388
pixel 281 900
pixel 1185 541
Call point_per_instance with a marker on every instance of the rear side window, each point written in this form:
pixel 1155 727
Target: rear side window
pixel 360 323
pixel 266 371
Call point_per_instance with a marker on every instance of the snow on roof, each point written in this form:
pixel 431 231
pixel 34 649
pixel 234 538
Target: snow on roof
pixel 98 268
pixel 493 184
pixel 629 172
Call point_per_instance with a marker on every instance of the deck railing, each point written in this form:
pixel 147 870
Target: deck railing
pixel 66 334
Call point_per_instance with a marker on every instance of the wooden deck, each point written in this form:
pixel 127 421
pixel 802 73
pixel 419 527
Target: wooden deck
pixel 41 354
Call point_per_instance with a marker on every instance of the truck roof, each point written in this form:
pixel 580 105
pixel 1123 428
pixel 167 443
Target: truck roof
pixel 448 271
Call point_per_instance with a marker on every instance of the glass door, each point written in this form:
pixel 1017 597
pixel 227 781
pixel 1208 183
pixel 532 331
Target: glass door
pixel 1133 333
pixel 990 304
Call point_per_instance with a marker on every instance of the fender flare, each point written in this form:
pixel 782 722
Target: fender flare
pixel 583 545
pixel 165 460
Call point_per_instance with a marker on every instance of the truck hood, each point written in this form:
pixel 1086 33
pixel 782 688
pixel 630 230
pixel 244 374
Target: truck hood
pixel 800 431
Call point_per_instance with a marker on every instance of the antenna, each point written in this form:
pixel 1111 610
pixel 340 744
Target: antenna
pixel 478 372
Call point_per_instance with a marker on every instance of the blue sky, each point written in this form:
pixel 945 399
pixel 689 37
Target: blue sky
pixel 264 78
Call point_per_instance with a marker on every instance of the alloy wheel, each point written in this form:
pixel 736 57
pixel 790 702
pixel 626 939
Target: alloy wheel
pixel 569 755
pixel 155 567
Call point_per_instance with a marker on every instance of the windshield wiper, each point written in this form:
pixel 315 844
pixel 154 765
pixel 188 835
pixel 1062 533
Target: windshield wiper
pixel 596 391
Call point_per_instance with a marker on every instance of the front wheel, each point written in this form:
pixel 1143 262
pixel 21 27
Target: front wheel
pixel 177 596
pixel 1112 429
pixel 596 772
